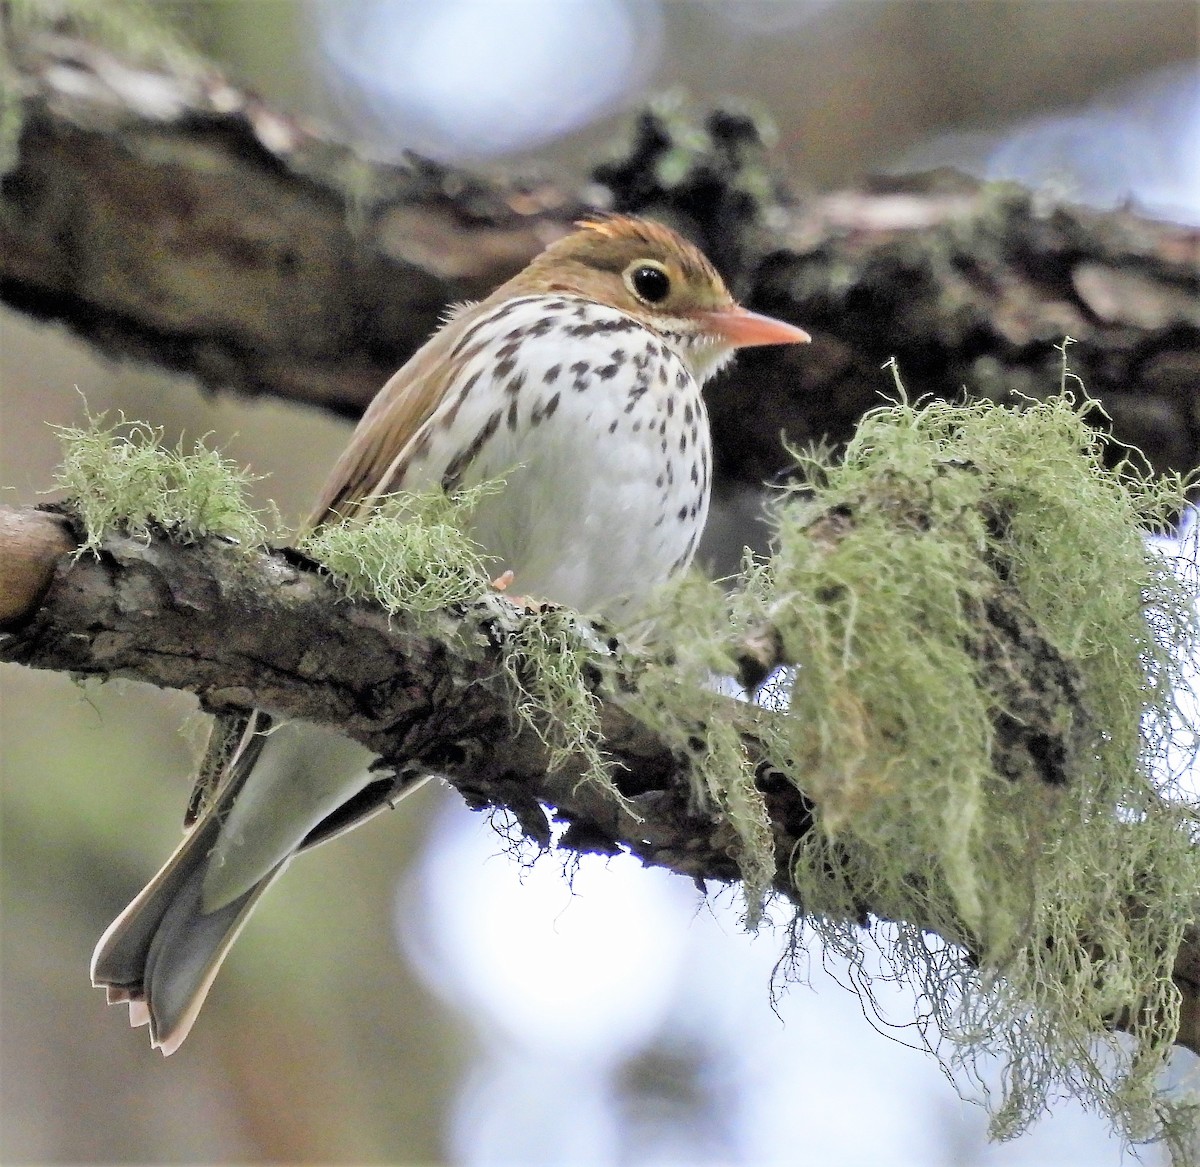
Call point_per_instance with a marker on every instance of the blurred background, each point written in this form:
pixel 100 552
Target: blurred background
pixel 416 993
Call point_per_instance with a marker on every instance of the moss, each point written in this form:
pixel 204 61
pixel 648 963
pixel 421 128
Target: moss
pixel 120 477
pixel 883 564
pixel 680 695
pixel 409 554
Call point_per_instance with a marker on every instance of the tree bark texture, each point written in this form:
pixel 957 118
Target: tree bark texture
pixel 175 220
pixel 263 629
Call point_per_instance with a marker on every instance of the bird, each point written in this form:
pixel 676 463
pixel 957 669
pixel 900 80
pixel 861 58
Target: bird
pixel 577 383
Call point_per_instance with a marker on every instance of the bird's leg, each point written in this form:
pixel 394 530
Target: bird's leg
pixel 503 582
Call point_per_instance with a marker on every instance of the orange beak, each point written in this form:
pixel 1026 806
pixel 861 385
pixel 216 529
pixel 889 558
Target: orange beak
pixel 743 329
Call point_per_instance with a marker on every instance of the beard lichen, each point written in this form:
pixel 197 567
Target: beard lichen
pixel 680 694
pixel 408 552
pixel 120 477
pixel 556 661
pixel 1062 880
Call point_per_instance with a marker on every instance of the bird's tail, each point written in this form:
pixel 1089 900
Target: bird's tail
pixel 285 788
pixel 162 953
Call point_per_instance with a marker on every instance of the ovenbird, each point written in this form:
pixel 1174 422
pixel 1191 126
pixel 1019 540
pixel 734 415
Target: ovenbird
pixel 577 383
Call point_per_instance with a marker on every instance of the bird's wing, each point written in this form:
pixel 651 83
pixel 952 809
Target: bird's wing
pixel 228 740
pixel 386 429
pixel 380 795
pixel 393 419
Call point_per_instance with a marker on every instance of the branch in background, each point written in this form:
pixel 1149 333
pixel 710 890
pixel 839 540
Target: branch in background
pixel 260 629
pixel 175 220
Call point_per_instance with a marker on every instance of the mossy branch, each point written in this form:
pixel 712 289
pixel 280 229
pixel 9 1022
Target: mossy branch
pixel 971 743
pixel 263 629
pixel 242 628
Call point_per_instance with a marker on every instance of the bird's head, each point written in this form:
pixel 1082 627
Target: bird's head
pixel 656 276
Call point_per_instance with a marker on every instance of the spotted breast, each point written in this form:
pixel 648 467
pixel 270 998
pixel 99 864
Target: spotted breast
pixel 598 430
pixel 578 384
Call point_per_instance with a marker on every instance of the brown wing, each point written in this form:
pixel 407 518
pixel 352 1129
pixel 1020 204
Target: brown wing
pixel 398 411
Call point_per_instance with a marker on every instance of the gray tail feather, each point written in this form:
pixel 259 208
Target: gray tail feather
pixel 162 953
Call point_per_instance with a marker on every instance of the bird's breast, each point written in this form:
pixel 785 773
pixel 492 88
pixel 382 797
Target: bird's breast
pixel 600 435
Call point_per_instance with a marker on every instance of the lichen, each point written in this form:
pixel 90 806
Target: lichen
pixel 680 695
pixel 556 662
pixel 409 553
pixel 119 477
pixel 883 563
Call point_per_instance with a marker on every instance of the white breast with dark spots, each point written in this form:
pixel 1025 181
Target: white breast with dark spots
pixel 599 431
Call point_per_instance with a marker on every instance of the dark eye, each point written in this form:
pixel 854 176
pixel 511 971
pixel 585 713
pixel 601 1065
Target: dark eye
pixel 651 283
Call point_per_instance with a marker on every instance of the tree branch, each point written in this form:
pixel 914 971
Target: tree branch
pixel 263 629
pixel 176 220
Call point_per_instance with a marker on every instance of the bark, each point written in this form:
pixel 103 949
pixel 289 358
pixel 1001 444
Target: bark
pixel 266 630
pixel 172 219
pixel 430 694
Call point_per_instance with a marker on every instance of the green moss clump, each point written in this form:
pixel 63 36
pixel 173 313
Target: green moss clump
pixel 120 478
pixel 413 554
pixel 883 568
pixel 409 553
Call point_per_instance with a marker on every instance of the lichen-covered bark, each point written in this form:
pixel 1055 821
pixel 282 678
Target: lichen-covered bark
pixel 265 630
pixel 430 694
pixel 176 220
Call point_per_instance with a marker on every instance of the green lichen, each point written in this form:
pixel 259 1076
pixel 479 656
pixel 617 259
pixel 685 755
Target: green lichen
pixel 410 553
pixel 881 565
pixel 678 697
pixel 120 477
pixel 556 662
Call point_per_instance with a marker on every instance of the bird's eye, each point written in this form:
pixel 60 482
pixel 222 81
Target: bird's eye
pixel 650 282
